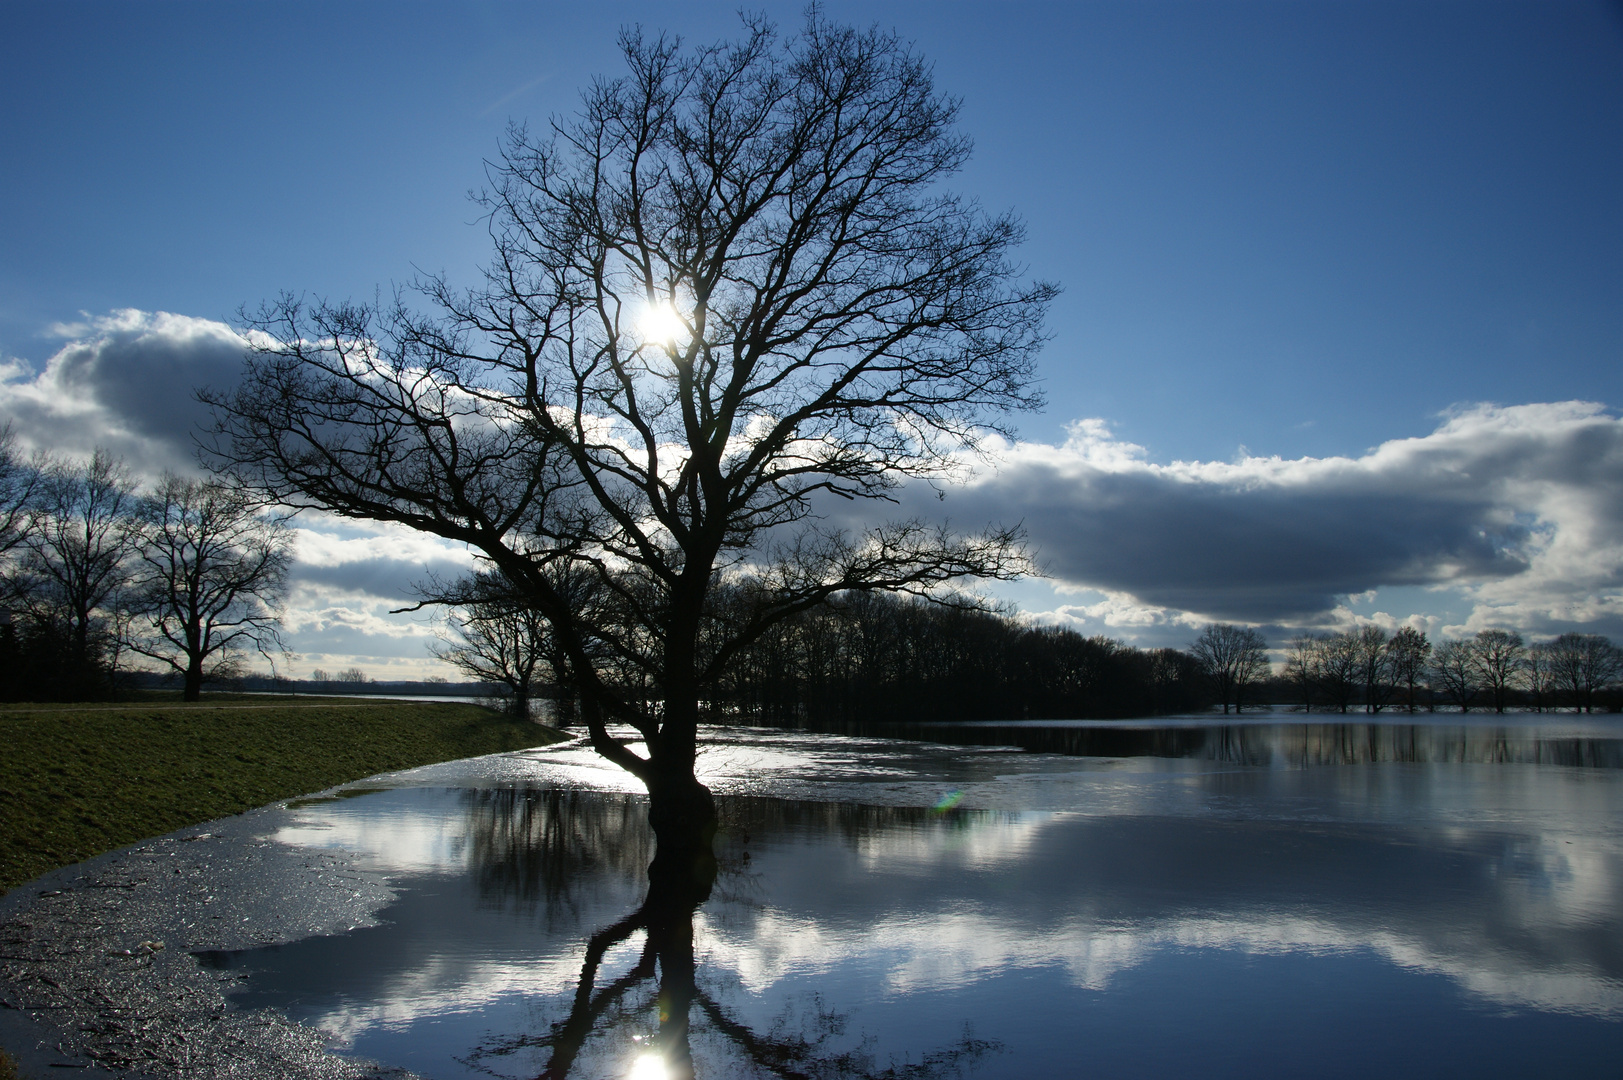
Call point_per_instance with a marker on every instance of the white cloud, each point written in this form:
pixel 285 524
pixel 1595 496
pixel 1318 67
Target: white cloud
pixel 1508 515
pixel 1517 508
pixel 378 560
pixel 126 381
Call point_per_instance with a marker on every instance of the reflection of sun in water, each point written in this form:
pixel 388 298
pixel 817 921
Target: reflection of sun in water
pixel 648 1067
pixel 660 322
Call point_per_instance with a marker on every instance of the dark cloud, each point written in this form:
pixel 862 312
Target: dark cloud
pixel 1514 501
pixel 129 384
pixel 1519 508
pixel 392 580
pixel 1250 554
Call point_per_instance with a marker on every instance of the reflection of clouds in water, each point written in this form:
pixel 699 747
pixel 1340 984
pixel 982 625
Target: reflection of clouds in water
pixel 1500 878
pixel 981 844
pixel 955 949
pixel 1560 878
pixel 399 842
pixel 440 986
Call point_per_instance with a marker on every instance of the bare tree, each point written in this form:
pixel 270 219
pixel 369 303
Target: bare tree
pixel 1233 657
pixel 19 483
pixel 730 287
pixel 77 554
pixel 1374 666
pixel 1582 665
pixel 1539 676
pixel 495 637
pixel 1408 655
pixel 1302 666
pixel 1454 672
pixel 209 580
pixel 1499 657
pixel 1339 672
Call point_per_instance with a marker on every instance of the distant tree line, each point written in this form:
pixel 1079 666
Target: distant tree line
pixel 1368 670
pixel 878 656
pixel 856 657
pixel 98 574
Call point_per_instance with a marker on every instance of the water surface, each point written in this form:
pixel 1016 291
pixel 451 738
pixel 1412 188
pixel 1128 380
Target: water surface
pixel 1256 899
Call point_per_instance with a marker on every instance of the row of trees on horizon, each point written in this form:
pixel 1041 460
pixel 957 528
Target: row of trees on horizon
pixel 866 657
pixel 859 657
pixel 1370 669
pixel 100 576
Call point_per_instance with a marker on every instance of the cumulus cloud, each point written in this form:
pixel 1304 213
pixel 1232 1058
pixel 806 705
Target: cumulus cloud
pixel 126 381
pixel 1515 511
pixel 348 578
pixel 381 561
pixel 1520 508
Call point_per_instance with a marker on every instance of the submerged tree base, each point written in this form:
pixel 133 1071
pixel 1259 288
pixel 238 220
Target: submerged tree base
pixel 683 817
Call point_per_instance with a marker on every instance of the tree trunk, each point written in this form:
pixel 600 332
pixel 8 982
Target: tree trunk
pixel 682 813
pixel 194 679
pixel 667 918
pixel 680 808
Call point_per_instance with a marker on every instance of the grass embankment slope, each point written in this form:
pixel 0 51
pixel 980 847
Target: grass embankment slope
pixel 78 780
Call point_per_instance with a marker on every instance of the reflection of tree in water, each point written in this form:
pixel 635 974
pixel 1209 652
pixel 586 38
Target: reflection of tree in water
pixel 531 844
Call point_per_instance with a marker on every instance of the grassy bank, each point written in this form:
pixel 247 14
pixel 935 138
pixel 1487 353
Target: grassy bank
pixel 79 780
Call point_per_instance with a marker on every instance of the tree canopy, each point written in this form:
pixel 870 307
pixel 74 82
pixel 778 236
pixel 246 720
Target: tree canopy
pixel 731 286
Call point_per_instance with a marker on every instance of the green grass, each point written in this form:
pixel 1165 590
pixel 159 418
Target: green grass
pixel 79 780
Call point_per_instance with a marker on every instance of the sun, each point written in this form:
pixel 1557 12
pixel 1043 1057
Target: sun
pixel 660 322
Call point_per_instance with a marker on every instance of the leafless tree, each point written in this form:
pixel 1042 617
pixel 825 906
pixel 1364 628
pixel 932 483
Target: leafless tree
pixel 19 483
pixel 1233 657
pixel 1499 657
pixel 1408 655
pixel 1454 673
pixel 78 548
pixel 493 636
pixel 1539 675
pixel 209 580
pixel 1302 664
pixel 1583 664
pixel 1339 673
pixel 731 286
pixel 1374 666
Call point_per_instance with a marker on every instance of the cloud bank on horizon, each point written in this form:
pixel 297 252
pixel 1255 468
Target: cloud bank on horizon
pixel 1517 508
pixel 1511 515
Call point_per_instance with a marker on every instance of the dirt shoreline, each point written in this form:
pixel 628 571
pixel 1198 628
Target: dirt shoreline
pixel 97 964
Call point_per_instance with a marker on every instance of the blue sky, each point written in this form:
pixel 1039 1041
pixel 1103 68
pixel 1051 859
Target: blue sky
pixel 1295 231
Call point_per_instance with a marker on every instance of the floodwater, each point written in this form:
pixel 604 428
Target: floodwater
pixel 1140 900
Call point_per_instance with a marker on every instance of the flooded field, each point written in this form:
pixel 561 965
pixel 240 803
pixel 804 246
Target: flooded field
pixel 1130 899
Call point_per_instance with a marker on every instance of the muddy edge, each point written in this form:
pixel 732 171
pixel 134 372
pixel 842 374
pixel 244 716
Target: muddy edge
pixel 97 968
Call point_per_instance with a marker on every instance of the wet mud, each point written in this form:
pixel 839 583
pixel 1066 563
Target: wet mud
pixel 97 964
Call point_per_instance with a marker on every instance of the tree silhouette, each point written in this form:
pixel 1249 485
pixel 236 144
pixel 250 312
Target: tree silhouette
pixel 1233 657
pixel 729 290
pixel 208 580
